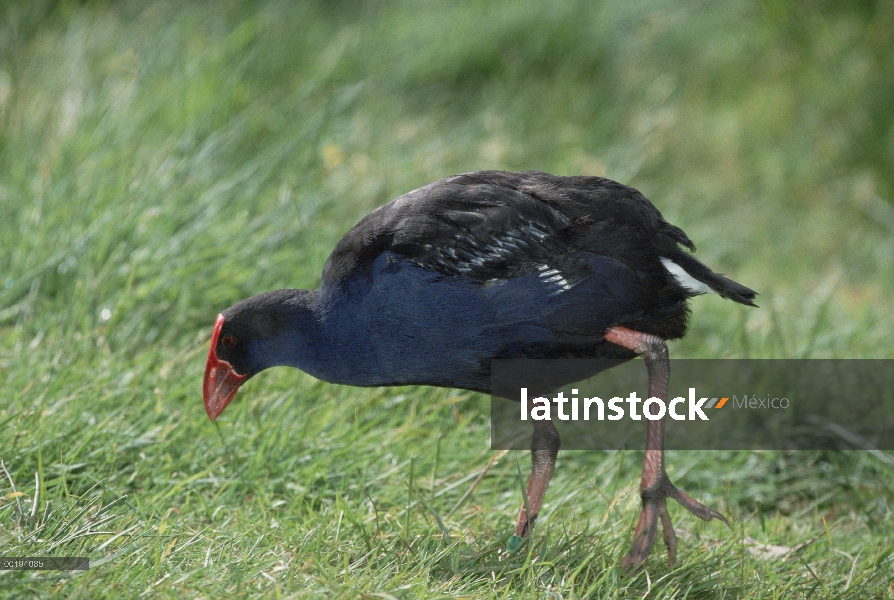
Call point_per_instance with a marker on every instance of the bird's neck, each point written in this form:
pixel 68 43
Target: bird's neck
pixel 318 336
pixel 300 336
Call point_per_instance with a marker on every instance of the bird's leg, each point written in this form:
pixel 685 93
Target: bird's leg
pixel 655 486
pixel 544 449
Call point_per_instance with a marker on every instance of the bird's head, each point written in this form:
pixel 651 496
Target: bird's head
pixel 252 335
pixel 224 369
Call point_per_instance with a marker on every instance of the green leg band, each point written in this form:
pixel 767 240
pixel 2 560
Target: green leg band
pixel 515 542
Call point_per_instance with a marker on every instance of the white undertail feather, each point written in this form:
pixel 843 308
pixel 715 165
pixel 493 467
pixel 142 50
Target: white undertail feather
pixel 685 279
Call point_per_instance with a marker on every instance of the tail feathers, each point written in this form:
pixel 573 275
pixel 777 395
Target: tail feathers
pixel 726 288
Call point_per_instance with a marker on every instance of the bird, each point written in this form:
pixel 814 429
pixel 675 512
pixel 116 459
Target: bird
pixel 432 287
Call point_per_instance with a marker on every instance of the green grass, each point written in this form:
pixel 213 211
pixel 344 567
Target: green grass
pixel 160 161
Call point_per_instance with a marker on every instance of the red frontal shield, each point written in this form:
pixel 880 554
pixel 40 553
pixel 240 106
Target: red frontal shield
pixel 221 381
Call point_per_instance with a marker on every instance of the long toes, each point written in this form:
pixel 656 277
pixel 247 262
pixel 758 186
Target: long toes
pixel 695 507
pixel 636 557
pixel 670 537
pixel 655 507
pixel 644 536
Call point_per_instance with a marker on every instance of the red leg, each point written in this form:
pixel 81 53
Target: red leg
pixel 544 449
pixel 655 486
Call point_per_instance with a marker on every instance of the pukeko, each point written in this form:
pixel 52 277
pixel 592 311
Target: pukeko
pixel 431 287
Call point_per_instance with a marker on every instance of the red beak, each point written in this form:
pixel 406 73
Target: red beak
pixel 221 381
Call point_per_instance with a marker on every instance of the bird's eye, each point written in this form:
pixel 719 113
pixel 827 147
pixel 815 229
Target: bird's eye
pixel 227 341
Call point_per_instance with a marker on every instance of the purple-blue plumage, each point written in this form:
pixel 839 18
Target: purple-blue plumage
pixel 432 287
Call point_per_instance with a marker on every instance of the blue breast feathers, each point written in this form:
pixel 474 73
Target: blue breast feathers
pixel 404 323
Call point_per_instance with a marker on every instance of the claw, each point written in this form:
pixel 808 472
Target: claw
pixel 655 506
pixel 694 506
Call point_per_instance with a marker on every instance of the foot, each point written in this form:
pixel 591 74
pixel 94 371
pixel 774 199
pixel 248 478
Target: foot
pixel 655 506
pixel 544 449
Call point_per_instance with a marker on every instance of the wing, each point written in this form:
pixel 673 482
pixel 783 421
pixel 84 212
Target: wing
pixel 599 238
pixel 494 225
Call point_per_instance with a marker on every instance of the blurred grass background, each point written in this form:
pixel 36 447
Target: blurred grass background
pixel 162 160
